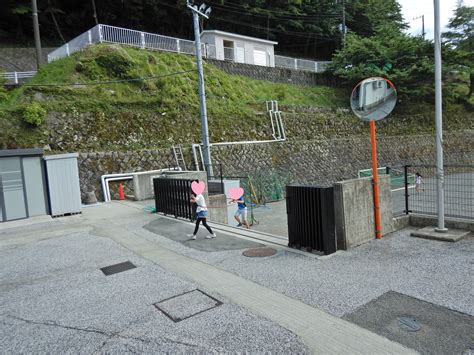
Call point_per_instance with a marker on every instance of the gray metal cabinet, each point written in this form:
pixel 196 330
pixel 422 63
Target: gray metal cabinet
pixel 22 184
pixel 63 184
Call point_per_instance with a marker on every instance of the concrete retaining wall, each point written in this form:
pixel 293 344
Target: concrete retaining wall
pixel 21 59
pixel 354 211
pixel 308 162
pixel 280 75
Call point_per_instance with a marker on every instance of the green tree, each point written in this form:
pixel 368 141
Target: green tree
pixel 366 17
pixel 461 28
pixel 459 49
pixel 406 61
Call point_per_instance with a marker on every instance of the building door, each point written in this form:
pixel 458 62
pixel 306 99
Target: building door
pixel 12 189
pixel 259 56
pixel 240 53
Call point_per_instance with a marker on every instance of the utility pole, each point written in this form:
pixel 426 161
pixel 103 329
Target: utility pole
pixel 204 12
pixel 422 24
pixel 439 120
pixel 94 13
pixel 34 10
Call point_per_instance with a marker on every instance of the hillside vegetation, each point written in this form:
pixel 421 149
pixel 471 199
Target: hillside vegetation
pixel 116 98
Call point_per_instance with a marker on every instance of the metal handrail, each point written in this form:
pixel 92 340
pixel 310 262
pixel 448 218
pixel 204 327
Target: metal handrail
pixel 17 77
pixel 146 40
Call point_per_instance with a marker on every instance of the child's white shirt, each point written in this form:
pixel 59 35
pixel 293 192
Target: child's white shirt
pixel 201 202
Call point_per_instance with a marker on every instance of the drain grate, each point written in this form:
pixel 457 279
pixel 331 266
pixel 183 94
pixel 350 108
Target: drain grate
pixel 187 305
pixel 114 269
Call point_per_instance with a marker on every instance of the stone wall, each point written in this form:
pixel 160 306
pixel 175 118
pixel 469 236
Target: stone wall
pixel 280 75
pixel 316 161
pixel 21 59
pixel 327 161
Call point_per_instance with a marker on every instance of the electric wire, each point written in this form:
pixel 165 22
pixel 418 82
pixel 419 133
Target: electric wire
pixel 286 32
pixel 276 13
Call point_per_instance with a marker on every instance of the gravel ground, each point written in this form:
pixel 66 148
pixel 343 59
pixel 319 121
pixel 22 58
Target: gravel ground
pixel 432 271
pixel 54 299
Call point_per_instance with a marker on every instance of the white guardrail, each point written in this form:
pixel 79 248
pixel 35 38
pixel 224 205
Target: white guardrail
pixel 145 40
pixel 17 77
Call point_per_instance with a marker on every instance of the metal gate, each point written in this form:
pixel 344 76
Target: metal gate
pixel 311 222
pixel 172 197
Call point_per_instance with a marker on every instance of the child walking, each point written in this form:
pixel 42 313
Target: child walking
pixel 418 182
pixel 241 212
pixel 201 216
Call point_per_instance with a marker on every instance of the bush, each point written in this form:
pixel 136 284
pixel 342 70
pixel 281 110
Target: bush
pixel 34 114
pixel 3 91
pixel 117 64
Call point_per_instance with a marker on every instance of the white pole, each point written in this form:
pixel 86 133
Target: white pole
pixel 439 121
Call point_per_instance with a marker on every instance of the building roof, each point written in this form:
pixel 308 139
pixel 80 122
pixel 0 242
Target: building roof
pixel 235 35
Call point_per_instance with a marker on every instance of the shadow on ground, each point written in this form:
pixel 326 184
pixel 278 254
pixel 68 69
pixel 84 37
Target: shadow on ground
pixel 177 231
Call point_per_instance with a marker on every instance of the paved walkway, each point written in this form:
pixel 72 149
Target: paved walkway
pixel 321 332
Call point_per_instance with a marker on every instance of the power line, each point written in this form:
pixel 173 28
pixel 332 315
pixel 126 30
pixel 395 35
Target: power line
pixel 113 81
pixel 308 18
pixel 290 33
pixel 279 13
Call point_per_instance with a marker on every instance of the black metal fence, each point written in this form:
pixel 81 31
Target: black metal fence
pixel 311 221
pixel 420 194
pixel 172 197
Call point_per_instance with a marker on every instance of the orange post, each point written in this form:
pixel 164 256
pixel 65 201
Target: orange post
pixel 373 142
pixel 121 194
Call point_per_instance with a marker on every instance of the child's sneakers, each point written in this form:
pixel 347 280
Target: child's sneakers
pixel 210 236
pixel 191 236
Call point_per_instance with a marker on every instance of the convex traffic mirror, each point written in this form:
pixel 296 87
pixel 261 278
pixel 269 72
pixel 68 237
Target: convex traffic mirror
pixel 373 99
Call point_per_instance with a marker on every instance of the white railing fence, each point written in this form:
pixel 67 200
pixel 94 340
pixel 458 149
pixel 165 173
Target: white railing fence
pixel 300 64
pixel 17 77
pixel 145 40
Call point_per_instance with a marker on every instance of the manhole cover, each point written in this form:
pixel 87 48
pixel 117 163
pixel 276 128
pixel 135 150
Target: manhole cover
pixel 259 252
pixel 409 324
pixel 187 305
pixel 114 269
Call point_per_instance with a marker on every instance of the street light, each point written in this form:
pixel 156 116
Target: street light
pixel 203 11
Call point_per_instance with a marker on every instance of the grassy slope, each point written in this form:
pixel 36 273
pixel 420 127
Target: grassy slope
pixel 151 113
pixel 173 100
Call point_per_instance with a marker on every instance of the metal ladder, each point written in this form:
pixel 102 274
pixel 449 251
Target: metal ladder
pixel 178 156
pixel 198 158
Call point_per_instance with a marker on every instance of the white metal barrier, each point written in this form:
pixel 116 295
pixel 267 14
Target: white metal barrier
pixel 145 40
pixel 300 64
pixel 17 77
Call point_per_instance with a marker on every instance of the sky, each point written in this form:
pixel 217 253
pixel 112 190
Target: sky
pixel 415 8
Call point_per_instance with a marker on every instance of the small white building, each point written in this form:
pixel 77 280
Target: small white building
pixel 241 49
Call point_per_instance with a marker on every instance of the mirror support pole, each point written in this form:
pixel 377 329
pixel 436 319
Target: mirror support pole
pixel 373 142
pixel 439 121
